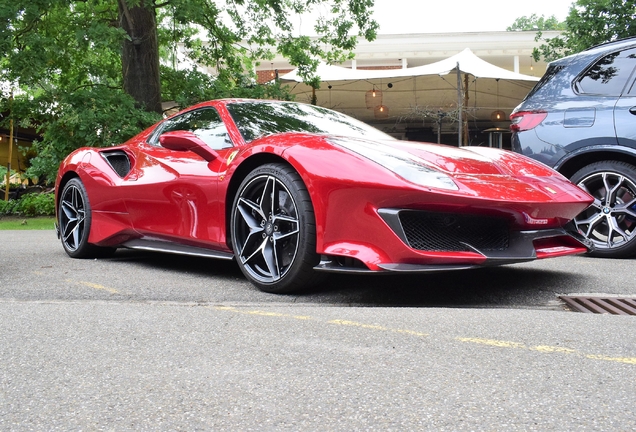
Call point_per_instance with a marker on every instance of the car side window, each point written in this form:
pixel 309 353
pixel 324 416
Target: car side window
pixel 204 123
pixel 608 76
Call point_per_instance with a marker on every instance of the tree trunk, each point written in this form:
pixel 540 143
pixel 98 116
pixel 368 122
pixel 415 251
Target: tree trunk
pixel 140 54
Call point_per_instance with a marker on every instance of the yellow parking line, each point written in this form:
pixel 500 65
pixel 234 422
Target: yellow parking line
pixel 551 349
pixel 375 327
pixel 628 360
pixel 261 313
pixel 544 349
pixel 491 342
pixel 94 286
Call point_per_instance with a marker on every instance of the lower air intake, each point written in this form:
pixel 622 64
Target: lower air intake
pixel 449 232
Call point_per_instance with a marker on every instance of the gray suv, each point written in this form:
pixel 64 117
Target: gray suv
pixel 580 119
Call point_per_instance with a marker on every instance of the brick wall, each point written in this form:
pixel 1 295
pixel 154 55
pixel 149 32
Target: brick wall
pixel 264 76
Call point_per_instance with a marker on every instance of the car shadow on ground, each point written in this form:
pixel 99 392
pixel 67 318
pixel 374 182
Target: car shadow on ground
pixel 492 287
pixel 508 286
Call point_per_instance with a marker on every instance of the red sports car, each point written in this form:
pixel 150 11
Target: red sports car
pixel 289 190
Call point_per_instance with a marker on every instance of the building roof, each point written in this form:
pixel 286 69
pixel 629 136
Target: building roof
pixel 411 50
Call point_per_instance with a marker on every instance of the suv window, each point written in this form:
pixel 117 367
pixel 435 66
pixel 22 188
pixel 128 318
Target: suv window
pixel 550 73
pixel 204 123
pixel 608 76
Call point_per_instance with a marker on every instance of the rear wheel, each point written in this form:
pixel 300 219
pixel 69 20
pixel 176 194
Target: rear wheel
pixel 610 222
pixel 273 230
pixel 74 220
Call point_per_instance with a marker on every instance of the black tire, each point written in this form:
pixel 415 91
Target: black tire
pixel 610 222
pixel 273 230
pixel 74 221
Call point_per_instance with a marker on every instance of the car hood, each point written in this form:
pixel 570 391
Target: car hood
pixel 464 161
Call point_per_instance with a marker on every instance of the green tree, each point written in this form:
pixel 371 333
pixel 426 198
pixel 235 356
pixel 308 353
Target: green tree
pixel 94 72
pixel 537 23
pixel 589 23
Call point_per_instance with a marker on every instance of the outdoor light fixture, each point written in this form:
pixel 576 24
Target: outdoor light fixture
pixel 373 98
pixel 381 112
pixel 497 116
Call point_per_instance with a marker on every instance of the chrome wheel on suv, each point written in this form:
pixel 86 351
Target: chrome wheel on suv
pixel 610 222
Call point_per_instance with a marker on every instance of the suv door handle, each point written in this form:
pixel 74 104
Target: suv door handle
pixel 632 110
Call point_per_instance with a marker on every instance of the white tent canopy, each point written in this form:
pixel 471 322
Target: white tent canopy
pixel 468 63
pixel 417 94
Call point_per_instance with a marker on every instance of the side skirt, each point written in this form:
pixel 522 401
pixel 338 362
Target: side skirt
pixel 169 247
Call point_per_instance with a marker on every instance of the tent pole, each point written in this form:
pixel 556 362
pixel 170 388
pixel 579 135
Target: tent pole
pixel 460 108
pixel 465 135
pixel 8 178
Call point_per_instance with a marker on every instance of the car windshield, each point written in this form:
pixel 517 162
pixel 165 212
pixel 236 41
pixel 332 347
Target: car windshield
pixel 257 119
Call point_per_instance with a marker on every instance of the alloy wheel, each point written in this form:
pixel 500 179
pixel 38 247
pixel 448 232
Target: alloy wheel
pixel 266 229
pixel 610 221
pixel 72 217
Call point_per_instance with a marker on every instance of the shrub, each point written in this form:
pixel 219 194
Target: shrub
pixel 7 207
pixel 35 204
pixel 32 204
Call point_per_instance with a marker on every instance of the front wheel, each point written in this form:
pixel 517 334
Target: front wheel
pixel 273 230
pixel 74 221
pixel 610 222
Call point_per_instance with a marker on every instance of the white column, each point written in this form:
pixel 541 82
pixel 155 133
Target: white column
pixel 516 69
pixel 353 64
pixel 404 63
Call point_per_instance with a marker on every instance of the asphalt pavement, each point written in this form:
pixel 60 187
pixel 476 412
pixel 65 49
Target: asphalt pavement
pixel 164 342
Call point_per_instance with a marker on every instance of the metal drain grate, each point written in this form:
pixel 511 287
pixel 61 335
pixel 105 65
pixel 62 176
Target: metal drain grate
pixel 601 305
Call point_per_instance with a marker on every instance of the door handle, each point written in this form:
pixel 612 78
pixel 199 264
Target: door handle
pixel 632 110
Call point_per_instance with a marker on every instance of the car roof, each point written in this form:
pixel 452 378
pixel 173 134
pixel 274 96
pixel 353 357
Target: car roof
pixel 584 56
pixel 612 45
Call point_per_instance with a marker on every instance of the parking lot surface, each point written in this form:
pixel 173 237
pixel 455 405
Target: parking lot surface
pixel 149 341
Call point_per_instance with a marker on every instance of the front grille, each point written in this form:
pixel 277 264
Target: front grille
pixel 449 232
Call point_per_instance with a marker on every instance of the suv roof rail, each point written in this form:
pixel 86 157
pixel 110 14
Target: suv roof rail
pixel 611 42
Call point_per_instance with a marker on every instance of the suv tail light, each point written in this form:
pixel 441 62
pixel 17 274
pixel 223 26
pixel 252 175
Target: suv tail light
pixel 526 120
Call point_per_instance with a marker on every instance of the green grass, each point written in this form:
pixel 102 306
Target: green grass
pixel 24 223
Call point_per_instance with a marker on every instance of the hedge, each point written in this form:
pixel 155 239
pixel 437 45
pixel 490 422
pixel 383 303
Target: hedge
pixel 33 204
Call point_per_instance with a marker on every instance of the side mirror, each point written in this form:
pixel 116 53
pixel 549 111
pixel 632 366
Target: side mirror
pixel 187 141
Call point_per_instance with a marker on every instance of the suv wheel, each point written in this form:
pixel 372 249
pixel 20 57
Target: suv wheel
pixel 610 222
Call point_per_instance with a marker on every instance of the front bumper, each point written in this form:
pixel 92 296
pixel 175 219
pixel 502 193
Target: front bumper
pixel 457 242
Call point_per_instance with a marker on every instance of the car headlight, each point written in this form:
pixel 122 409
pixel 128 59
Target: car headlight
pixel 402 163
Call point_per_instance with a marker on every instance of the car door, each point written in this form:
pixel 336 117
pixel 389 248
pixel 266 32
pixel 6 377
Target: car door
pixel 175 192
pixel 625 110
pixel 591 119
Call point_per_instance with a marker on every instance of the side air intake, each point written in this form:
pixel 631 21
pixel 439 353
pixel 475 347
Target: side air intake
pixel 118 161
